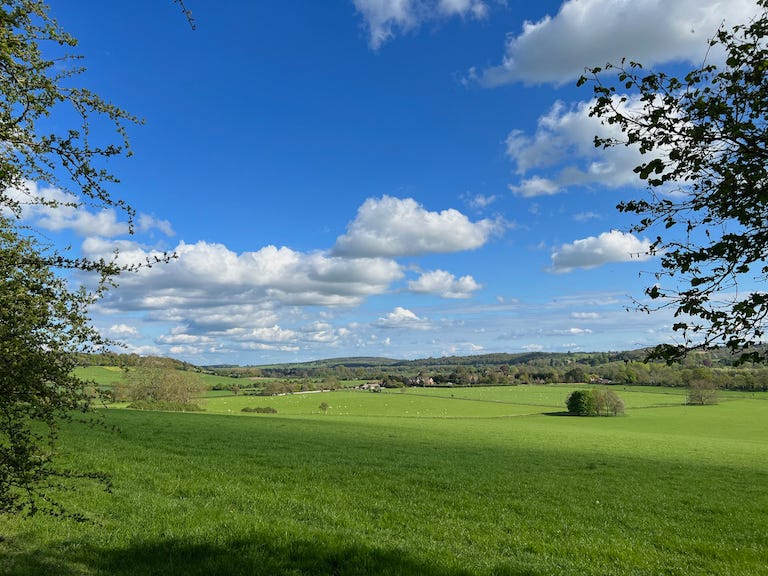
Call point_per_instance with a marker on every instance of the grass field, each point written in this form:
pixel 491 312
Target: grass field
pixel 483 482
pixel 108 375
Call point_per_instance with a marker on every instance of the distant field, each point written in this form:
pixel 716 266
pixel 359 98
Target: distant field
pixel 415 483
pixel 479 402
pixel 102 375
pixel 108 375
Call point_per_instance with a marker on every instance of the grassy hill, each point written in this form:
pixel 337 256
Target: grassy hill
pixel 477 481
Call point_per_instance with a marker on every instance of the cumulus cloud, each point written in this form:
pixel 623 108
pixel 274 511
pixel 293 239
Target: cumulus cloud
pixel 207 275
pixel 121 331
pixel 391 227
pixel 562 150
pixel 384 19
pixel 587 33
pixel 444 284
pixel 594 251
pixel 403 318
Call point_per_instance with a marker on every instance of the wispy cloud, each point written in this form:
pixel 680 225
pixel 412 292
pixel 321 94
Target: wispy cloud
pixel 385 19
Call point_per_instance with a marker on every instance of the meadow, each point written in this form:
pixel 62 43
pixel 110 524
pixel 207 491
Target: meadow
pixel 448 482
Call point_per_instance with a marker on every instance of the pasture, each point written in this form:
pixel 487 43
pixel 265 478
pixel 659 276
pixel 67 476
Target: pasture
pixel 481 481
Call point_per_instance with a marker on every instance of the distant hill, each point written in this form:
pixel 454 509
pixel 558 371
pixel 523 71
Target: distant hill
pixel 495 359
pixel 715 357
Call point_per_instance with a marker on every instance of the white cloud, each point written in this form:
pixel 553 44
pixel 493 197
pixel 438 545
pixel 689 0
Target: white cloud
pixel 480 201
pixel 403 318
pixel 269 347
pixel 208 275
pixel 585 216
pixel 594 251
pixel 574 331
pixel 145 223
pixel 535 186
pixel 54 210
pixel 533 347
pixel 270 334
pixel 176 338
pixel 213 294
pixel 563 149
pixel 120 331
pixel 384 19
pixel 444 284
pixel 474 8
pixel 588 33
pixel 585 315
pixel 394 227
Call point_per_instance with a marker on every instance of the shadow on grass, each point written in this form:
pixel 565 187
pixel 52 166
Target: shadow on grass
pixel 250 557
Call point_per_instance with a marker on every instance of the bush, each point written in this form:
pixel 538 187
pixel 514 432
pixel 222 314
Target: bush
pixel 260 410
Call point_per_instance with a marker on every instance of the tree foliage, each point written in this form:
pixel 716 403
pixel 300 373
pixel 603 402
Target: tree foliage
pixel 42 325
pixel 581 403
pixel 60 135
pixel 705 141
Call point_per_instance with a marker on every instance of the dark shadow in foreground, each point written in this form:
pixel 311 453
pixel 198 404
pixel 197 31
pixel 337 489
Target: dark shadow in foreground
pixel 249 557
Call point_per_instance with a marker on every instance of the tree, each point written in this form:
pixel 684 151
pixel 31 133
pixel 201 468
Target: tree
pixel 575 375
pixel 151 381
pixel 44 320
pixel 702 386
pixel 42 325
pixel 581 403
pixel 705 141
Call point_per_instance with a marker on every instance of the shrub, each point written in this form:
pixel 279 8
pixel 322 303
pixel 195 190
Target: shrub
pixel 260 410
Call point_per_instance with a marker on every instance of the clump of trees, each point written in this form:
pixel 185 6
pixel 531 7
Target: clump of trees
pixel 260 410
pixel 594 402
pixel 152 382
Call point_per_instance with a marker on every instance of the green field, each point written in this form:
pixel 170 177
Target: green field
pixel 424 482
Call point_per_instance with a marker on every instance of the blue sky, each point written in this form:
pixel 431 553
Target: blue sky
pixel 400 178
